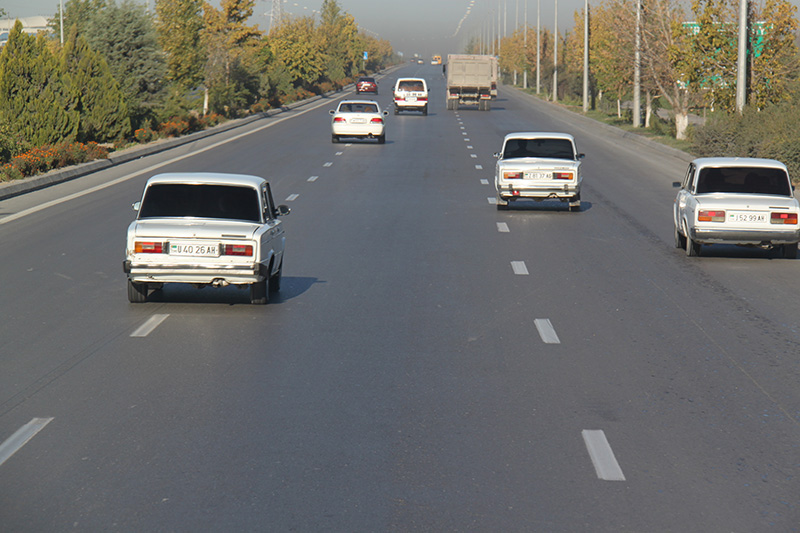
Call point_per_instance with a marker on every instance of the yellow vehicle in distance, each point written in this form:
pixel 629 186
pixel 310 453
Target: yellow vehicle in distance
pixel 437 60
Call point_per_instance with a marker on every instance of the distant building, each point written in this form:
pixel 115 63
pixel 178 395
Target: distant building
pixel 31 25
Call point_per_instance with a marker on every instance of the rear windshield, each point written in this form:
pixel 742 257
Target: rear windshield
pixel 746 180
pixel 410 85
pixel 358 108
pixel 202 201
pixel 550 148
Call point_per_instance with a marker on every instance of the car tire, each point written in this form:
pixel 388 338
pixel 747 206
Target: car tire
pixel 501 204
pixel 334 139
pixel 680 240
pixel 692 248
pixel 396 110
pixel 575 203
pixel 381 139
pixel 258 293
pixel 425 111
pixel 274 285
pixel 789 251
pixel 137 292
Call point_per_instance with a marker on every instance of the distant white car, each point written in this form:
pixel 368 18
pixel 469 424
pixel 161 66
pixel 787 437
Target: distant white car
pixel 411 94
pixel 538 166
pixel 206 229
pixel 736 200
pixel 358 118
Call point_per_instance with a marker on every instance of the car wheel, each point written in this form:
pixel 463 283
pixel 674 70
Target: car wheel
pixel 275 280
pixel 381 139
pixel 692 248
pixel 137 292
pixel 334 139
pixel 680 240
pixel 396 111
pixel 790 251
pixel 502 205
pixel 258 293
pixel 575 203
pixel 425 110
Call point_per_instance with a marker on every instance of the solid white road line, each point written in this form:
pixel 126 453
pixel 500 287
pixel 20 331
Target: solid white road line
pixel 291 197
pixel 605 464
pixel 519 267
pixel 21 437
pixel 152 323
pixel 546 331
pixel 502 227
pixel 153 168
pixel 313 178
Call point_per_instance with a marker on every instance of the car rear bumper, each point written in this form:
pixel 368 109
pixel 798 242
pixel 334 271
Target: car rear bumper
pixel 510 191
pixel 367 131
pixel 743 236
pixel 195 273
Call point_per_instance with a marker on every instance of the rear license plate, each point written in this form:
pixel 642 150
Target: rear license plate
pixel 538 175
pixel 744 216
pixel 358 121
pixel 411 99
pixel 193 249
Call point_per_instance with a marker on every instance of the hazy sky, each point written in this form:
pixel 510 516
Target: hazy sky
pixel 422 27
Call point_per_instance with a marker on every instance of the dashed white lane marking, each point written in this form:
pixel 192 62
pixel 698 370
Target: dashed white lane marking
pixel 484 181
pixel 292 197
pixel 467 139
pixel 492 200
pixel 16 441
pixel 470 147
pixel 605 464
pixel 328 164
pixel 519 268
pixel 152 323
pixel 474 156
pixel 502 227
pixel 546 331
pixel 478 167
pixel 339 153
pixel 463 127
pixel 313 178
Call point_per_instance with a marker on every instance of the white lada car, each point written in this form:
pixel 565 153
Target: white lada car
pixel 736 200
pixel 411 94
pixel 206 229
pixel 358 118
pixel 538 166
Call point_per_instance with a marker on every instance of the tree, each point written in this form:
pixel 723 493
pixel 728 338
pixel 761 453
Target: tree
pixel 125 36
pixel 180 25
pixel 93 91
pixel 298 47
pixel 78 13
pixel 33 99
pixel 774 64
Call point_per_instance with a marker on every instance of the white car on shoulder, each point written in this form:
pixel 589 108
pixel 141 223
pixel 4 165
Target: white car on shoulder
pixel 736 200
pixel 538 166
pixel 206 229
pixel 411 94
pixel 358 118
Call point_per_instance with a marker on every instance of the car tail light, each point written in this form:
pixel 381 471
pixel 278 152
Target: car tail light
pixel 237 249
pixel 376 121
pixel 562 175
pixel 512 175
pixel 422 98
pixel 399 99
pixel 339 120
pixel 783 218
pixel 707 215
pixel 146 247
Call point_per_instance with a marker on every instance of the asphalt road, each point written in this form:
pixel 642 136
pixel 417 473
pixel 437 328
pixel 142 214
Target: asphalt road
pixel 431 364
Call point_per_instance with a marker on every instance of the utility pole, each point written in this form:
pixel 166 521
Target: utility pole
pixel 525 47
pixel 555 56
pixel 538 45
pixel 275 15
pixel 637 68
pixel 586 56
pixel 741 61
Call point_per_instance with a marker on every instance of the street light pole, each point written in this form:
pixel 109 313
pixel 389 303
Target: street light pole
pixel 586 56
pixel 741 62
pixel 555 56
pixel 538 46
pixel 637 69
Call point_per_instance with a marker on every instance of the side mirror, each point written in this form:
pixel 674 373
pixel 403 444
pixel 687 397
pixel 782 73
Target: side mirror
pixel 282 210
pixel 385 113
pixel 332 111
pixel 136 206
pixel 581 156
pixel 497 155
pixel 676 184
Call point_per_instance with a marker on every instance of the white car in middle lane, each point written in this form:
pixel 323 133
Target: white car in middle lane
pixel 358 118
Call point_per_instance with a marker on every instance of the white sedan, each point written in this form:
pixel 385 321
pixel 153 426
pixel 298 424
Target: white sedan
pixel 206 229
pixel 538 166
pixel 736 200
pixel 358 118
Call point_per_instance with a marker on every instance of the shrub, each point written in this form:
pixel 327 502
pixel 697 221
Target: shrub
pixel 48 157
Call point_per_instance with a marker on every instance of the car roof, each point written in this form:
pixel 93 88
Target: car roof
pixel 359 102
pixel 737 162
pixel 207 178
pixel 410 79
pixel 538 135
